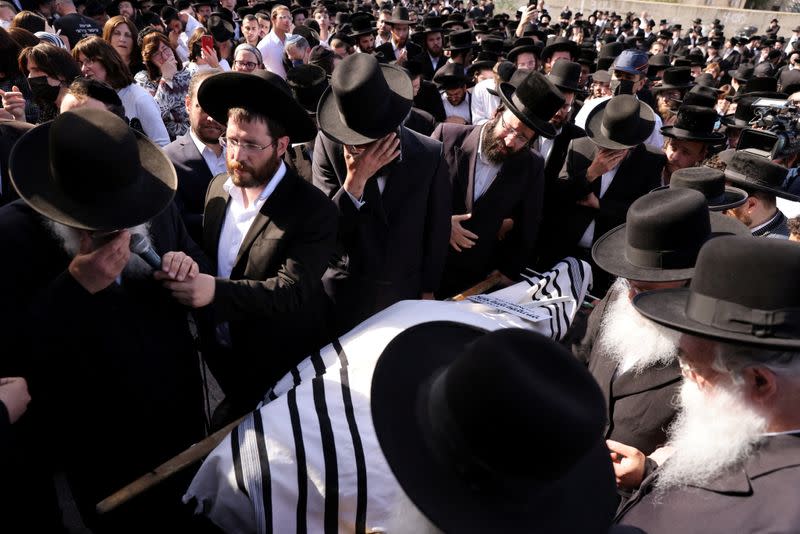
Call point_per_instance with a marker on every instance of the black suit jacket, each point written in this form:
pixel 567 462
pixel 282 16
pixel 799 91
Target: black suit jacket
pixel 516 193
pixel 430 99
pixel 428 70
pixel 193 179
pixel 393 247
pixel 637 175
pixel 640 405
pixel 273 300
pixel 558 154
pixel 10 131
pixel 759 496
pixel 387 51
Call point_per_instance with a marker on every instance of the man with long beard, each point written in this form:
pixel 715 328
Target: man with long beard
pixel 270 233
pixel 735 445
pixel 633 360
pixel 497 176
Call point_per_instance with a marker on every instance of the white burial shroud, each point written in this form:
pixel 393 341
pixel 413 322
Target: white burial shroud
pixel 307 459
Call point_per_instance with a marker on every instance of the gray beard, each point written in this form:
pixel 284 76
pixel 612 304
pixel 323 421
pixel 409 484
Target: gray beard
pixel 632 341
pixel 70 240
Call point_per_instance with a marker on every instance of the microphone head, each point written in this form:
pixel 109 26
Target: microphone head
pixel 138 243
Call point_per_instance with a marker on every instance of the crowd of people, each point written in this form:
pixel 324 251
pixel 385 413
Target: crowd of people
pixel 198 193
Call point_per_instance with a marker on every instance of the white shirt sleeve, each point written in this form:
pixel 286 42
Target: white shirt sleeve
pixel 149 114
pixel 483 103
pixel 656 140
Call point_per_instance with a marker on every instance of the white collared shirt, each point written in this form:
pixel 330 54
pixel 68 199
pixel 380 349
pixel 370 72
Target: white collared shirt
pixel 216 164
pixel 271 48
pixel 605 181
pixel 485 171
pixel 462 110
pixel 546 145
pixel 238 220
pixel 483 102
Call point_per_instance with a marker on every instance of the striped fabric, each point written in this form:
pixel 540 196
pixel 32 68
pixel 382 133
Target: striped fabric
pixel 307 459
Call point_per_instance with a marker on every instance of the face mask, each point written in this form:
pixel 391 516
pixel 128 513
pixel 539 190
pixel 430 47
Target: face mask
pixel 621 87
pixel 43 91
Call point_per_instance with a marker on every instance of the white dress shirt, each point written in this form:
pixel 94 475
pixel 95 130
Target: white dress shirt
pixel 483 103
pixel 605 181
pixel 545 145
pixel 462 110
pixel 271 48
pixel 216 164
pixel 238 220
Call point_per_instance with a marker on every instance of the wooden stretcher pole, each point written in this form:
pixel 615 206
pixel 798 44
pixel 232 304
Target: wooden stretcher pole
pixel 479 288
pixel 193 454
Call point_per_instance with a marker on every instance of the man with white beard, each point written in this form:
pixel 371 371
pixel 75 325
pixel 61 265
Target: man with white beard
pixel 735 465
pixel 632 359
pixel 108 354
pixel 461 416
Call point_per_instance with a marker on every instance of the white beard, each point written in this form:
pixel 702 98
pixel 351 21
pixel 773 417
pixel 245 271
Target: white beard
pixel 714 433
pixel 406 518
pixel 70 240
pixel 632 341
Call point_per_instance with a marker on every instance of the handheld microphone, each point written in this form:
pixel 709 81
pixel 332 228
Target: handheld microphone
pixel 142 248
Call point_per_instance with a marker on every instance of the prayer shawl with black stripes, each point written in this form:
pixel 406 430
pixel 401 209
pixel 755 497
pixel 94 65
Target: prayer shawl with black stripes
pixel 308 460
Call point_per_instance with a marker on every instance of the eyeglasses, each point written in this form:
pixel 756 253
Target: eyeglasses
pixel 246 65
pixel 165 52
pixel 508 128
pixel 251 147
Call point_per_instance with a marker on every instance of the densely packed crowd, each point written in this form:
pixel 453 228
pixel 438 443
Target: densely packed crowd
pixel 200 195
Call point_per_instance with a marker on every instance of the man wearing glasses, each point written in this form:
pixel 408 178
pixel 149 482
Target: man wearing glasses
pixel 270 234
pixel 498 184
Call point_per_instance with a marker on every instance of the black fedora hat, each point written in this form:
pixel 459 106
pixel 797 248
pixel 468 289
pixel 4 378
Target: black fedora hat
pixel 566 75
pixel 662 235
pixel 472 463
pixel 307 83
pixel 694 123
pixel 361 25
pixel 450 76
pixel 399 16
pixel 620 122
pixel 659 60
pixel 675 78
pixel 534 101
pixel 743 73
pixel 459 40
pixel 557 44
pixel 752 171
pixel 431 24
pixel 744 290
pixel 710 182
pixel 262 91
pixel 101 175
pixel 484 61
pixel 745 112
pixel 366 100
pixel 702 96
pixel 220 27
pixel 522 45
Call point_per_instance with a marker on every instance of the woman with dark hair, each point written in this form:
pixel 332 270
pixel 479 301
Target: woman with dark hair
pixel 23 37
pixel 123 35
pixel 49 70
pixel 100 61
pixel 30 21
pixel 166 80
pixel 11 77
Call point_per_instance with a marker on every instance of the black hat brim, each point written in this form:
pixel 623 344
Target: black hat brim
pixel 741 181
pixel 438 491
pixel 401 95
pixel 687 135
pixel 609 252
pixel 731 121
pixel 667 87
pixel 533 49
pixel 668 307
pixel 506 93
pixel 594 123
pixel 32 177
pixel 733 197
pixel 359 33
pixel 571 47
pixel 480 65
pixel 227 90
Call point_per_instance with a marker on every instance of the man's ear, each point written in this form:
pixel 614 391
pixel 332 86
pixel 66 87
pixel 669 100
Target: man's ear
pixel 282 145
pixel 761 384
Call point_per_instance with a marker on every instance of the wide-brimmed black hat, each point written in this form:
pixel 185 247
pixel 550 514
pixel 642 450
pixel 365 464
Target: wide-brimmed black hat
pixel 399 16
pixel 431 24
pixel 662 235
pixel 459 40
pixel 361 25
pixel 694 123
pixel 660 61
pixel 557 44
pixel 742 116
pixel 100 175
pixel 308 83
pixel 710 182
pixel 702 96
pixel 522 45
pixel 261 91
pixel 472 463
pixel 706 79
pixel 534 102
pixel 566 75
pixel 450 76
pixel 366 100
pixel 484 60
pixel 743 73
pixel 220 28
pixel 620 122
pixel 752 171
pixel 675 78
pixel 744 290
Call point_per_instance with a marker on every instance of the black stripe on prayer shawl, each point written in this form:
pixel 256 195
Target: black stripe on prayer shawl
pixel 358 448
pixel 328 448
pixel 560 310
pixel 237 460
pixel 544 294
pixel 300 455
pixel 266 479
